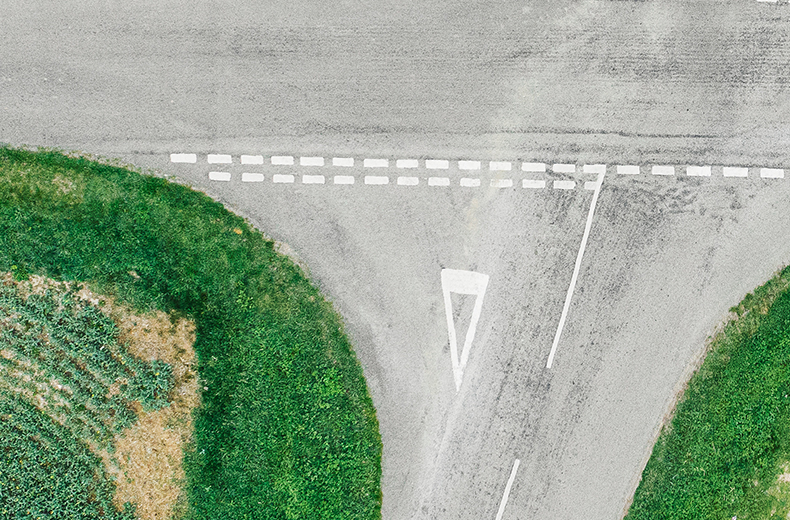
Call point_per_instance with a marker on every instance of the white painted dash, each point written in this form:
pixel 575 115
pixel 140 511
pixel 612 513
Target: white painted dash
pixel 437 164
pixel 219 158
pixel 467 182
pixel 438 181
pixel 772 173
pixel 311 161
pixel 564 168
pixel 376 163
pixel 533 184
pixel 313 179
pixel 219 176
pixel 468 165
pixel 252 159
pixel 408 181
pixel 564 185
pixel 505 496
pixel 282 160
pixel 343 161
pixel 343 179
pixel 251 177
pixel 662 170
pixel 594 168
pixel 280 178
pixel 627 169
pixel 183 157
pixel 591 185
pixel 698 171
pixel 733 171
pixel 534 167
pixel 407 163
pixel 499 166
pixel 376 179
pixel 501 183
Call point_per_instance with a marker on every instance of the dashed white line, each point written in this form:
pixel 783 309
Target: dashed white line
pixel 437 164
pixel 533 184
pixel 407 163
pixel 732 171
pixel 772 173
pixel 501 183
pixel 252 159
pixel 343 179
pixel 627 169
pixel 313 179
pixel 183 157
pixel 564 185
pixel 591 185
pixel 438 181
pixel 218 158
pixel 663 170
pixel 408 181
pixel 534 167
pixel 594 168
pixel 282 160
pixel 468 165
pixel 376 163
pixel 503 503
pixel 280 178
pixel 219 176
pixel 251 177
pixel 564 168
pixel 698 171
pixel 343 161
pixel 311 161
pixel 467 182
pixel 499 166
pixel 376 179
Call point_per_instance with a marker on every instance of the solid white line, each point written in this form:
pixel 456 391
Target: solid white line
pixel 533 167
pixel 576 269
pixel 437 164
pixel 343 179
pixel 594 168
pixel 313 179
pixel 183 157
pixel 438 181
pixel 219 176
pixel 283 160
pixel 408 181
pixel 468 165
pixel 311 161
pixel 251 177
pixel 499 166
pixel 564 185
pixel 375 179
pixel 772 173
pixel 343 161
pixel 730 171
pixel 467 182
pixel 564 168
pixel 698 171
pixel 252 159
pixel 407 163
pixel 627 169
pixel 217 158
pixel 663 170
pixel 507 490
pixel 532 183
pixel 279 178
pixel 375 163
pixel 501 183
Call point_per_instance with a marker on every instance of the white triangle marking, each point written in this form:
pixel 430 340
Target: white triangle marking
pixel 462 282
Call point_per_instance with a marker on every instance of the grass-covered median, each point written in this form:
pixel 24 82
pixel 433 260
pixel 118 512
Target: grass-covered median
pixel 286 428
pixel 726 451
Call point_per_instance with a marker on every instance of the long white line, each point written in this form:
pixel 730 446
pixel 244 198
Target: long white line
pixel 576 269
pixel 507 490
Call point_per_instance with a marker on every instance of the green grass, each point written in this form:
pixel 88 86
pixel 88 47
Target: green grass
pixel 729 438
pixel 286 428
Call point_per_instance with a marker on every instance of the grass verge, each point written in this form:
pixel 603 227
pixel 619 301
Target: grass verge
pixel 286 428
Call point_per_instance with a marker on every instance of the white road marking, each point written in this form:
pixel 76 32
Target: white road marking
pixel 594 168
pixel 407 163
pixel 183 157
pixel 280 178
pixel 467 182
pixel 698 171
pixel 533 167
pixel 576 269
pixel 462 282
pixel 343 179
pixel 438 181
pixel 730 171
pixel 218 158
pixel 564 185
pixel 376 163
pixel 375 179
pixel 564 168
pixel 468 165
pixel 507 490
pixel 501 183
pixel 408 181
pixel 313 179
pixel 532 183
pixel 282 160
pixel 591 185
pixel 251 177
pixel 343 161
pixel 311 161
pixel 768 1
pixel 252 159
pixel 499 166
pixel 437 164
pixel 219 176
pixel 772 173
pixel 627 169
pixel 663 170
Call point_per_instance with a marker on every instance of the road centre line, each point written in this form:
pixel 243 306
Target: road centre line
pixel 407 163
pixel 437 164
pixel 533 167
pixel 564 168
pixel 408 181
pixel 731 171
pixel 343 161
pixel 772 173
pixel 663 170
pixel 376 179
pixel 591 185
pixel 280 178
pixel 252 159
pixel 313 179
pixel 311 161
pixel 576 269
pixel 564 185
pixel 468 165
pixel 438 181
pixel 251 177
pixel 183 157
pixel 217 158
pixel 343 179
pixel 594 168
pixel 501 183
pixel 532 183
pixel 698 171
pixel 505 496
pixel 219 176
pixel 282 160
pixel 467 182
pixel 376 163
pixel 627 169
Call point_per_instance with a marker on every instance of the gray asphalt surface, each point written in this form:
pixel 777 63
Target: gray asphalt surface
pixel 588 81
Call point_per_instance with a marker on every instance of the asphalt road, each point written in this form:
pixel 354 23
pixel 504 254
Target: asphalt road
pixel 659 82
